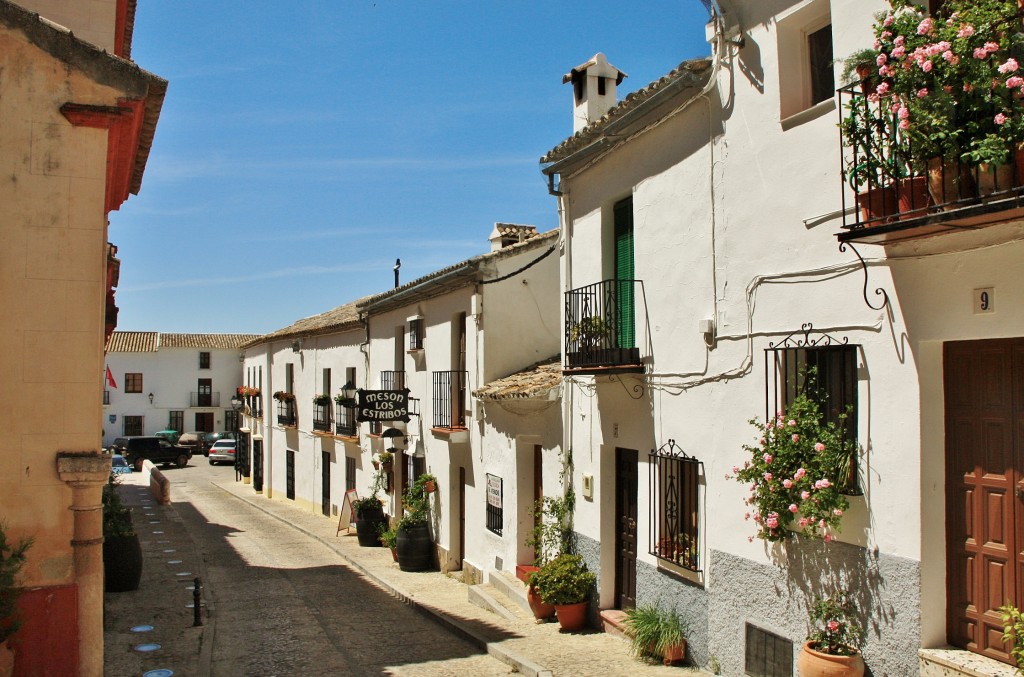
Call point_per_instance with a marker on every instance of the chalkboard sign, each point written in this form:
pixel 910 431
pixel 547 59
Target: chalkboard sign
pixel 383 405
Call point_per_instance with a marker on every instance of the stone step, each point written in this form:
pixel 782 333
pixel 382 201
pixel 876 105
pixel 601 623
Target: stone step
pixel 951 662
pixel 487 596
pixel 511 587
pixel 613 622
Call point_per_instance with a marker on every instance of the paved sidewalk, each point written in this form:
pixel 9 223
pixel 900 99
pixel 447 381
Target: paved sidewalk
pixel 533 649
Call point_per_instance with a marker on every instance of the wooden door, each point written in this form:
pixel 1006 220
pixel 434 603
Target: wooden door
pixel 257 465
pixel 205 392
pixel 461 552
pixel 325 483
pixel 204 421
pixel 984 399
pixel 289 474
pixel 625 533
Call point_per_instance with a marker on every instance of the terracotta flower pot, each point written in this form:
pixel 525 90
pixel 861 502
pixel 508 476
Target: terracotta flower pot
pixel 913 197
pixel 541 610
pixel 429 486
pixel 811 663
pixel 572 617
pixel 994 178
pixel 948 182
pixel 877 204
pixel 674 654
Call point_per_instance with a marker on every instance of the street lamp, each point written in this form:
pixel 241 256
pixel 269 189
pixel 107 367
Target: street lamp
pixel 348 394
pixel 236 405
pixel 151 399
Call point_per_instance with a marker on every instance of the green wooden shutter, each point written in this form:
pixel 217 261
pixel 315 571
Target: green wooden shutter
pixel 625 322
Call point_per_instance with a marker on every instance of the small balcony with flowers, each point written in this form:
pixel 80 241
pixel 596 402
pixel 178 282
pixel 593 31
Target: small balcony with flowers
pixel 286 415
pixel 601 327
pixel 932 129
pixel 322 413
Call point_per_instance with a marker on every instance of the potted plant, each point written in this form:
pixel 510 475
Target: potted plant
pixel 343 401
pixel 12 559
pixel 370 518
pixel 656 632
pixel 322 399
pixel 566 583
pixel 282 396
pixel 387 460
pixel 429 483
pixel 415 548
pixel 389 539
pixel 548 539
pixel 832 646
pixel 796 473
pixel 122 553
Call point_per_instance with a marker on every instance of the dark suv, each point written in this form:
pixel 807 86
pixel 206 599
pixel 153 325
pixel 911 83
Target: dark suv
pixel 138 449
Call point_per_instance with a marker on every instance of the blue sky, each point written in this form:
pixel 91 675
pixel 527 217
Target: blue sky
pixel 305 145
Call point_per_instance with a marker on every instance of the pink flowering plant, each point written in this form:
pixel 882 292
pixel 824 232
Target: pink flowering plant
pixel 952 82
pixel 796 473
pixel 833 629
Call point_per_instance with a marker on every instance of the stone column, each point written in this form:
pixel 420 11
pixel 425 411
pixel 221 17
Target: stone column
pixel 86 473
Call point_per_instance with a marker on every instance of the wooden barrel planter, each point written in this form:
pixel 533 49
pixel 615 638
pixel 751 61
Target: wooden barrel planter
pixel 368 527
pixel 122 563
pixel 415 549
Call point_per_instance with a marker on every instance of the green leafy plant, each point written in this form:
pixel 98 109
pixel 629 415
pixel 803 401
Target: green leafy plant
pixel 12 559
pixel 551 536
pixel 796 473
pixel 366 505
pixel 652 630
pixel 564 580
pixel 322 399
pixel 1013 628
pixel 344 401
pixel 588 332
pixel 389 536
pixel 833 629
pixel 416 503
pixel 282 396
pixel 117 517
pixel 385 457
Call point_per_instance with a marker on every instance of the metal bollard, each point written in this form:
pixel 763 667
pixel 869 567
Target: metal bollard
pixel 197 609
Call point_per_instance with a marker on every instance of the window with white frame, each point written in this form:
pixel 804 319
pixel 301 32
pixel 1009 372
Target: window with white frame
pixel 806 63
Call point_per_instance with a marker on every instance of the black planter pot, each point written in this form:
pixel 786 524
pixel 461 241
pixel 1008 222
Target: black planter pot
pixel 368 527
pixel 415 549
pixel 122 563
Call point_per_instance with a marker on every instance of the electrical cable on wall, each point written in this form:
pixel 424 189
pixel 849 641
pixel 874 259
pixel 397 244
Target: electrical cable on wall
pixel 527 266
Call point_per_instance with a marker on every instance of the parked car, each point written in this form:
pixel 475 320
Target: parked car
pixel 119 466
pixel 138 449
pixel 171 436
pixel 222 451
pixel 194 441
pixel 210 438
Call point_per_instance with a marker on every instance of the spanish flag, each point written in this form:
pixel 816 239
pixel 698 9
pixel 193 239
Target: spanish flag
pixel 110 378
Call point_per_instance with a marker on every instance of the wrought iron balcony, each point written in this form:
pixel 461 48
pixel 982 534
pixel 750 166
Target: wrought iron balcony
pixel 345 421
pixel 392 380
pixel 204 399
pixel 450 399
pixel 286 412
pixel 899 197
pixel 322 417
pixel 600 327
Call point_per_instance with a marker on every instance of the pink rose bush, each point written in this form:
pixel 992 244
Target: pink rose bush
pixel 834 627
pixel 796 472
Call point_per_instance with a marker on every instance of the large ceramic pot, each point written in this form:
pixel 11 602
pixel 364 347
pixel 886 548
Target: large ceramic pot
pixel 572 616
pixel 415 549
pixel 948 182
pixel 368 527
pixel 878 204
pixel 913 197
pixel 541 610
pixel 122 563
pixel 811 663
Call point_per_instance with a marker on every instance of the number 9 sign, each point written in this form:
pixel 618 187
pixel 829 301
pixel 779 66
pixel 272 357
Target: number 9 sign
pixel 984 300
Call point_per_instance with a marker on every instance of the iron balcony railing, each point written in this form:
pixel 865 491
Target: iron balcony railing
pixel 450 399
pixel 286 412
pixel 204 399
pixel 886 185
pixel 255 404
pixel 345 421
pixel 322 417
pixel 600 325
pixel 392 380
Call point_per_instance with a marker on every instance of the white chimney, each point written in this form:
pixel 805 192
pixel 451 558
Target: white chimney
pixel 593 90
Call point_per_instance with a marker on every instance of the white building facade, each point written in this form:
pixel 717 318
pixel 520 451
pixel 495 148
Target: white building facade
pixel 700 222
pixel 167 381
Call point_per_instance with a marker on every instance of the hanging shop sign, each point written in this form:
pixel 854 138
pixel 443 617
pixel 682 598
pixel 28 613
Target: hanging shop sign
pixel 383 405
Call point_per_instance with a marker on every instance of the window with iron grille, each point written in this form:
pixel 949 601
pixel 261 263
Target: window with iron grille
pixel 322 417
pixel 231 420
pixel 495 511
pixel 675 506
pixel 204 360
pixel 134 425
pixel 106 397
pixel 376 427
pixel 416 334
pixel 825 370
pixel 449 399
pixel 133 382
pixel 350 473
pixel 286 412
pixel 392 380
pixel 345 421
pixel 176 421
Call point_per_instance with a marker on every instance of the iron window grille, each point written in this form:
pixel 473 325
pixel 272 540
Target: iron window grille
pixel 232 420
pixel 106 397
pixel 256 406
pixel 675 506
pixel 350 473
pixel 823 368
pixel 134 425
pixel 286 412
pixel 450 399
pixel 416 334
pixel 392 380
pixel 133 382
pixel 176 421
pixel 495 513
pixel 345 423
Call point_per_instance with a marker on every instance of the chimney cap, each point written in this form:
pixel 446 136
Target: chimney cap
pixel 604 69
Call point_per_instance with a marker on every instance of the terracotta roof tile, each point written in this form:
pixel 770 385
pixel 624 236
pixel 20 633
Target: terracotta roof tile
pixel 334 320
pixel 132 342
pixel 537 382
pixel 214 341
